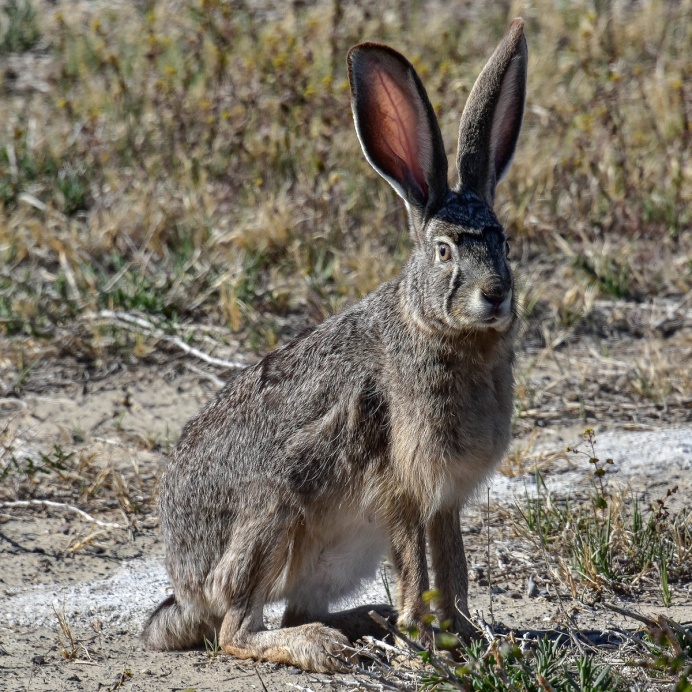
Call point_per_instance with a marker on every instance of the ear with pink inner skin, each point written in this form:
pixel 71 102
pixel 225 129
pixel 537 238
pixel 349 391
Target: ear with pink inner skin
pixel 397 127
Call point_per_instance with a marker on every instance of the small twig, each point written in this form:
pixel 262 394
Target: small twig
pixel 485 629
pixel 672 639
pixel 151 330
pixel 545 684
pixel 383 645
pixel 636 643
pixel 360 683
pixel 217 382
pixel 390 628
pixel 62 505
pixel 13 402
pixel 85 541
pixel 114 279
pixel 631 614
pixel 71 281
pixel 364 671
pixel 264 687
pixel 300 687
pixel 490 574
pixel 674 309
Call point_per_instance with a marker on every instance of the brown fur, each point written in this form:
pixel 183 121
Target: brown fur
pixel 368 434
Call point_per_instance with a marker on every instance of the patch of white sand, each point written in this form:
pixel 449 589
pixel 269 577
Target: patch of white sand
pixel 652 457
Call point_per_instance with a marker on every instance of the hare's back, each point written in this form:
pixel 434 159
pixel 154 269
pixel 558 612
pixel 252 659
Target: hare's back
pixel 288 426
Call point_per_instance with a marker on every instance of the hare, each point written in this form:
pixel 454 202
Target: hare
pixel 366 436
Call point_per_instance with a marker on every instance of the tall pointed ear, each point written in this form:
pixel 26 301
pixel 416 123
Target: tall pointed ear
pixel 397 127
pixel 493 114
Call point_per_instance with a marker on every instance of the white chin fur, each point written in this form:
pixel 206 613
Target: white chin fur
pixel 500 324
pixel 481 313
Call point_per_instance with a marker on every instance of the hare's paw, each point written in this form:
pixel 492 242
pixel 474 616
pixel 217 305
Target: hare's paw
pixel 322 649
pixel 314 647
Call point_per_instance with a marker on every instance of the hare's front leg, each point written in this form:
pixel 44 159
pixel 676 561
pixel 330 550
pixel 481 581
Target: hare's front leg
pixel 407 536
pixel 451 574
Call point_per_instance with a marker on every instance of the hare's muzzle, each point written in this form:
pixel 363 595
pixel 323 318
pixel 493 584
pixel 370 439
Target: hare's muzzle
pixel 494 306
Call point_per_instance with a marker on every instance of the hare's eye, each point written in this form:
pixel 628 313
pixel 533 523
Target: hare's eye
pixel 444 252
pixel 507 248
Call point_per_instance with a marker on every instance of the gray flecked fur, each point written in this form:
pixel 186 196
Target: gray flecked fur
pixel 365 436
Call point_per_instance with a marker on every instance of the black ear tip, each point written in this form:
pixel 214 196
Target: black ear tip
pixel 515 30
pixel 354 51
pixel 355 57
pixel 514 36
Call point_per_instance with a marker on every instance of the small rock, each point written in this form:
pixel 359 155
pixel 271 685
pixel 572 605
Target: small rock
pixel 74 678
pixel 293 671
pixel 39 660
pixel 496 590
pixel 531 588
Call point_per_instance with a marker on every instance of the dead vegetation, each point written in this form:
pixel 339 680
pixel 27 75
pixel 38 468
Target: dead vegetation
pixel 196 163
pixel 58 481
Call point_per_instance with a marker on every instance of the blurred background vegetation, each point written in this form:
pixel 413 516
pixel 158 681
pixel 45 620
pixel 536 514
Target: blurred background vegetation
pixel 195 160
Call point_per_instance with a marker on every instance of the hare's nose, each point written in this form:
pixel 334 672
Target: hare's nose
pixel 495 296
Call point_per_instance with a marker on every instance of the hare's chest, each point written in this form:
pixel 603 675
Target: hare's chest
pixel 446 442
pixel 474 436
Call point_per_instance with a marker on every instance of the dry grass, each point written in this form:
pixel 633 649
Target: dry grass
pixel 62 480
pixel 196 161
pixel 609 541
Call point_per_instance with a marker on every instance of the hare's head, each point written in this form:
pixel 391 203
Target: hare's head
pixel 459 267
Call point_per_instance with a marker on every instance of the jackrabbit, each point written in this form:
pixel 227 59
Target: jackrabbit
pixel 368 434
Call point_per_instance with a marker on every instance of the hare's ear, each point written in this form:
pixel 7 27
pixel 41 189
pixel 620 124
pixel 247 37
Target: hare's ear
pixel 493 115
pixel 397 127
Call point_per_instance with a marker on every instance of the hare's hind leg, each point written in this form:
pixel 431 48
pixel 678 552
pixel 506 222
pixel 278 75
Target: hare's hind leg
pixel 251 569
pixel 312 647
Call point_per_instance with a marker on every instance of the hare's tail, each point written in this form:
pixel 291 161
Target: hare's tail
pixel 173 626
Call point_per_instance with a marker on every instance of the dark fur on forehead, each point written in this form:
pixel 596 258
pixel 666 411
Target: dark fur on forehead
pixel 465 208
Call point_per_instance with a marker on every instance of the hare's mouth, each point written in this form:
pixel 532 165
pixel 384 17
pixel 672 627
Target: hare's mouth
pixel 497 322
pixel 492 312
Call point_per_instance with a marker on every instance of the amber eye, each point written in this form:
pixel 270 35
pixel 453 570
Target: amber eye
pixel 444 252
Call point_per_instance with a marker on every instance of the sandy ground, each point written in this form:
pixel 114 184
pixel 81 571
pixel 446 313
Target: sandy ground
pixel 105 589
